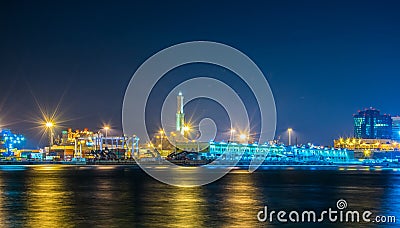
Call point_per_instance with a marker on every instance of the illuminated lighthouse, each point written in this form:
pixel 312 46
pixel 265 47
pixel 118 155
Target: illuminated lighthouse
pixel 180 116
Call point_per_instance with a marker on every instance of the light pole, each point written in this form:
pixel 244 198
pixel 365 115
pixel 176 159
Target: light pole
pixel 290 135
pixel 49 126
pixel 161 138
pixel 106 128
pixel 186 130
pixel 233 134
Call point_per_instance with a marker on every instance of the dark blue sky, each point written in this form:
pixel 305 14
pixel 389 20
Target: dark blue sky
pixel 324 60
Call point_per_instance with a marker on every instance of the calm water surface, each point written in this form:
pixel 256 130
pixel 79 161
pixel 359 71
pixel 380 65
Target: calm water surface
pixel 123 196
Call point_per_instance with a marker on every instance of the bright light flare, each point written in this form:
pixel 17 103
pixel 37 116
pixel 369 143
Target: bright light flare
pixel 49 124
pixel 49 119
pixel 186 128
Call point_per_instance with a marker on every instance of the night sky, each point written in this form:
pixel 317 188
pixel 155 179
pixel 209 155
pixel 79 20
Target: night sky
pixel 324 60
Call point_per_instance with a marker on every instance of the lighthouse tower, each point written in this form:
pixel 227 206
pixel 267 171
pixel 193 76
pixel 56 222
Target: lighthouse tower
pixel 180 116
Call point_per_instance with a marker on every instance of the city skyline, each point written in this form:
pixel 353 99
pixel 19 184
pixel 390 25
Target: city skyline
pixel 320 74
pixel 199 113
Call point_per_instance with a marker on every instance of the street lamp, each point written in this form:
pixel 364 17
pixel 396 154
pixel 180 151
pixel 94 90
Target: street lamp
pixel 290 135
pixel 106 128
pixel 161 138
pixel 186 129
pixel 233 134
pixel 49 125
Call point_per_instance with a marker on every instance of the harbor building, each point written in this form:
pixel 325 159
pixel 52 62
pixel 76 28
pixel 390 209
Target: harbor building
pixel 278 152
pixel 366 144
pixel 370 124
pixel 396 128
pixel 270 152
pixel 87 144
pixel 374 134
pixel 367 148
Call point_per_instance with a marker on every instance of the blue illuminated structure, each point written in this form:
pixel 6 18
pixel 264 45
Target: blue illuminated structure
pixel 370 124
pixel 277 152
pixel 10 141
pixel 396 128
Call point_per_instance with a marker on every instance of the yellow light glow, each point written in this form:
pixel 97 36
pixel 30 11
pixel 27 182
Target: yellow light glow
pixel 290 129
pixel 186 128
pixel 243 136
pixel 233 130
pixel 367 153
pixel 49 124
pixel 106 128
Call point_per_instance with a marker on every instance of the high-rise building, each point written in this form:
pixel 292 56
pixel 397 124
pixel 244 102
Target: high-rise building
pixel 396 128
pixel 370 124
pixel 180 116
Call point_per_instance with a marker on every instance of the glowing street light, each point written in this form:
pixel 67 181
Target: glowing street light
pixel 233 134
pixel 186 128
pixel 290 135
pixel 49 125
pixel 106 128
pixel 243 137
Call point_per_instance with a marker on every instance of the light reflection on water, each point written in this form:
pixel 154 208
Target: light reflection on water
pixel 71 196
pixel 237 198
pixel 174 207
pixel 48 201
